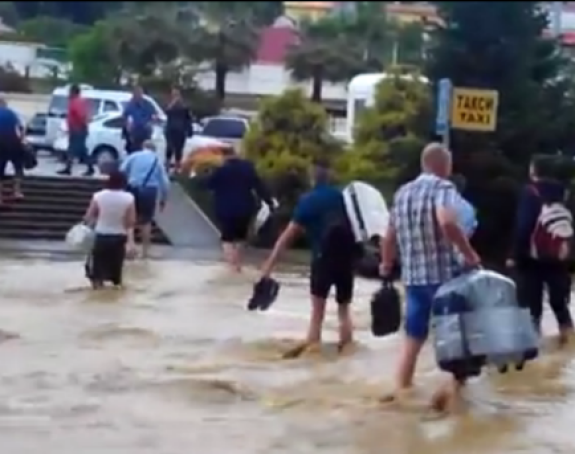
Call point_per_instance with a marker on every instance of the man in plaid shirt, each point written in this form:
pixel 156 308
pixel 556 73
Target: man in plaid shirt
pixel 424 234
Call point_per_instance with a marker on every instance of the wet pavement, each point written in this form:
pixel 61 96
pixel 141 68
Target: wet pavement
pixel 174 363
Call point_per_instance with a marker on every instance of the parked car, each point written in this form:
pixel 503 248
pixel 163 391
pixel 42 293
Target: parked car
pixel 226 129
pixel 35 132
pixel 105 142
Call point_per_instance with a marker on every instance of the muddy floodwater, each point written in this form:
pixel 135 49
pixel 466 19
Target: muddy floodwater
pixel 175 364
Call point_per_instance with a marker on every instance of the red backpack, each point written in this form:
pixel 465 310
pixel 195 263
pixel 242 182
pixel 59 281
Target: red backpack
pixel 553 233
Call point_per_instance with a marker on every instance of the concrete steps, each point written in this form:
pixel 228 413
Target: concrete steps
pixel 52 204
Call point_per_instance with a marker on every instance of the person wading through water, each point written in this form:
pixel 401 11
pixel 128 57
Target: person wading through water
pixel 424 233
pixel 112 213
pixel 150 184
pixel 11 150
pixel 178 128
pixel 77 120
pixel 321 215
pixel 236 187
pixel 540 256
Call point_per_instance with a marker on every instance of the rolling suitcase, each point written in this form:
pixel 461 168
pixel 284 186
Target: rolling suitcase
pixel 477 321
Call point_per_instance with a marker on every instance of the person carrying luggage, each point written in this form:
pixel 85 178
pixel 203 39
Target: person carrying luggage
pixel 112 213
pixel 425 235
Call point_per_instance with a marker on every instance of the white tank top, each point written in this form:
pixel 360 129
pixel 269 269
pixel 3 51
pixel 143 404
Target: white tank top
pixel 112 207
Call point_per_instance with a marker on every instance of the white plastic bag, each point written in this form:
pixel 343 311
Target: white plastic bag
pixel 80 237
pixel 263 215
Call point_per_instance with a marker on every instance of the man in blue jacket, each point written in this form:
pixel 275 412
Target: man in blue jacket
pixel 535 269
pixel 236 187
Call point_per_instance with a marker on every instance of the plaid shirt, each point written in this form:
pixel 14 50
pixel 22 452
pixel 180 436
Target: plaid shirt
pixel 425 255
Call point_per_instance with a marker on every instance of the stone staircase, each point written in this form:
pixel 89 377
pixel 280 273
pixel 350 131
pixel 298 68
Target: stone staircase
pixel 50 207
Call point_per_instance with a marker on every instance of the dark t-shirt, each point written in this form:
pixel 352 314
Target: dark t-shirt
pixel 317 211
pixel 236 186
pixel 178 119
pixel 9 122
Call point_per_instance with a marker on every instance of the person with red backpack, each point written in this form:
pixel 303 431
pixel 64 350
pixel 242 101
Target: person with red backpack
pixel 543 248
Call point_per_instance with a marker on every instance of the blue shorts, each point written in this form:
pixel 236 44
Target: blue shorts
pixel 419 299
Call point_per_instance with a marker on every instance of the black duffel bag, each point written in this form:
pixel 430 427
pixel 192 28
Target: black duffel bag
pixel 385 310
pixel 29 160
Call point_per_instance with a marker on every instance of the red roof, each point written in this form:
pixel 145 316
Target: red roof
pixel 274 44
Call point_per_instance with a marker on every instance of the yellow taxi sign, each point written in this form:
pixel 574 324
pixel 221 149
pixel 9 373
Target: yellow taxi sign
pixel 474 109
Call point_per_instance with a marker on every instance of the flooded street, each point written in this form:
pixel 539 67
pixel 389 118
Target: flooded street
pixel 175 363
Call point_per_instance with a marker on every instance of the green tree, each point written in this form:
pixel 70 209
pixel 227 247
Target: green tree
pixel 226 39
pixel 260 14
pixel 409 44
pixel 142 41
pixel 501 46
pixel 51 31
pixel 93 57
pixel 86 12
pixel 357 37
pixel 323 54
pixel 367 27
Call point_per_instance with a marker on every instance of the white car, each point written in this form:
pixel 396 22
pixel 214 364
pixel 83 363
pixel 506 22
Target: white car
pixel 105 142
pixel 221 129
pixel 98 102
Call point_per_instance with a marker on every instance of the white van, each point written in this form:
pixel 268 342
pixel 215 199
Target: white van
pixel 99 102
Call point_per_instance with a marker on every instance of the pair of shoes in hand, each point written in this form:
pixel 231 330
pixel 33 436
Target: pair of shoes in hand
pixel 265 292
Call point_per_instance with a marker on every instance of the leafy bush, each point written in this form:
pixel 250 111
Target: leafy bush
pixel 288 134
pixel 390 134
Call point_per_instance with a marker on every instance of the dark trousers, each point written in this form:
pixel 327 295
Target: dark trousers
pixel 137 137
pixel 77 148
pixel 106 262
pixel 11 152
pixel 175 141
pixel 532 282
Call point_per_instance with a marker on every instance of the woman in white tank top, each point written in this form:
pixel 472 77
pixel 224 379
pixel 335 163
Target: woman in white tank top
pixel 112 213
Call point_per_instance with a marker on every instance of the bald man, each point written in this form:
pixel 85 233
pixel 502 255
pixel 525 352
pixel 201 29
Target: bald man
pixel 425 236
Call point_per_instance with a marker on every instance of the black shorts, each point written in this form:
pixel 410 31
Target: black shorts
pixel 11 151
pixel 326 274
pixel 145 200
pixel 235 229
pixel 106 262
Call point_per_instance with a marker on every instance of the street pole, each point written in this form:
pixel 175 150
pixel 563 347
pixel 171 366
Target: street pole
pixel 443 110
